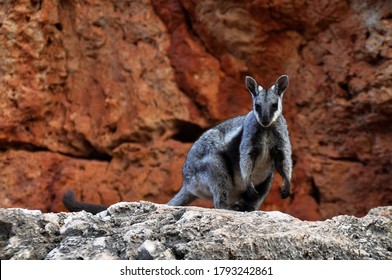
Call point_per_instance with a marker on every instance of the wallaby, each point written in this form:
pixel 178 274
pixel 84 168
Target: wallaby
pixel 234 162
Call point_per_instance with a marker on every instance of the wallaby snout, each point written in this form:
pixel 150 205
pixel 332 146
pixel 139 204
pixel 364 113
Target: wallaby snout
pixel 266 122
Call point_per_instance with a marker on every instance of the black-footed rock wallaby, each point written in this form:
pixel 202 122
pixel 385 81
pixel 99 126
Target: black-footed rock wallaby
pixel 234 162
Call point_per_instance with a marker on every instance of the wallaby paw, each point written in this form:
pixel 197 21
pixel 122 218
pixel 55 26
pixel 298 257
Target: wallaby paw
pixel 241 207
pixel 285 192
pixel 251 193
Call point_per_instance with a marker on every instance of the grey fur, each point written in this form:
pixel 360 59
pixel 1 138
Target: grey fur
pixel 234 163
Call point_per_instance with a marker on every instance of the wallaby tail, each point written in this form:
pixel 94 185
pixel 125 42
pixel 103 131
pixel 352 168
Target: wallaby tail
pixel 74 205
pixel 182 198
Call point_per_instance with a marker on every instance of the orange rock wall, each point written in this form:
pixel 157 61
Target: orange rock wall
pixel 106 97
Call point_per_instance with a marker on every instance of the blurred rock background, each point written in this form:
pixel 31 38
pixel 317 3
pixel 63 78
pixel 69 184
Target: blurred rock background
pixel 106 97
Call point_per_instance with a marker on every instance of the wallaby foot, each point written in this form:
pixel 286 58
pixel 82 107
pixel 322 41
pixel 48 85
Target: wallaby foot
pixel 241 207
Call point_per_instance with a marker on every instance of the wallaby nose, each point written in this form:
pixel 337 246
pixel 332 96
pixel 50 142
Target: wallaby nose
pixel 265 121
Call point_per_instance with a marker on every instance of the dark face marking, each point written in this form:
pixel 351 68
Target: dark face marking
pixel 266 106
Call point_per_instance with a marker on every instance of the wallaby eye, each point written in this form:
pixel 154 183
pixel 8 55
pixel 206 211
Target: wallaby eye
pixel 275 106
pixel 257 107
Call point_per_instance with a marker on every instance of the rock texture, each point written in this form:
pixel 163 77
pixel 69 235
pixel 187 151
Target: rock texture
pixel 143 230
pixel 106 97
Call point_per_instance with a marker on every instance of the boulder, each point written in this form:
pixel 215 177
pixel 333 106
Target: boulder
pixel 144 230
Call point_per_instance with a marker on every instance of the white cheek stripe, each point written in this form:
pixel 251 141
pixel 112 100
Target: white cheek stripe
pixel 277 112
pixel 260 88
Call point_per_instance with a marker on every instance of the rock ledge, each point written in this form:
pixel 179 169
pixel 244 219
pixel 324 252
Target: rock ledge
pixel 144 230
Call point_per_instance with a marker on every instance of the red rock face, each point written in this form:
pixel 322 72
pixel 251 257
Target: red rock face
pixel 106 97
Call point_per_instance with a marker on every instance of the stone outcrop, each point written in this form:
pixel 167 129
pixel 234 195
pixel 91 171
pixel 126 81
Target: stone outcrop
pixel 143 230
pixel 106 97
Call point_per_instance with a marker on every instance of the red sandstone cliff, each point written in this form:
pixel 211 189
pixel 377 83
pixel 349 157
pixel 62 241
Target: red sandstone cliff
pixel 106 97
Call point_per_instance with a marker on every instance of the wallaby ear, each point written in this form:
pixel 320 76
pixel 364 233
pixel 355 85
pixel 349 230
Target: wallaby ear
pixel 281 84
pixel 251 85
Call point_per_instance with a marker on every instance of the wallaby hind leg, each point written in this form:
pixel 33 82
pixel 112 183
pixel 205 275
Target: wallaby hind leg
pixel 220 184
pixel 220 194
pixel 209 178
pixel 182 198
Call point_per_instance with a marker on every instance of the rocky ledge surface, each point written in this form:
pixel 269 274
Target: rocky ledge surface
pixel 144 230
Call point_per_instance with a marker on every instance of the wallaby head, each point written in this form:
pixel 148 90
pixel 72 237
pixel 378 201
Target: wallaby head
pixel 267 103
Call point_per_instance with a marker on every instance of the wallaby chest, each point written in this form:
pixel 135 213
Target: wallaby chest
pixel 261 156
